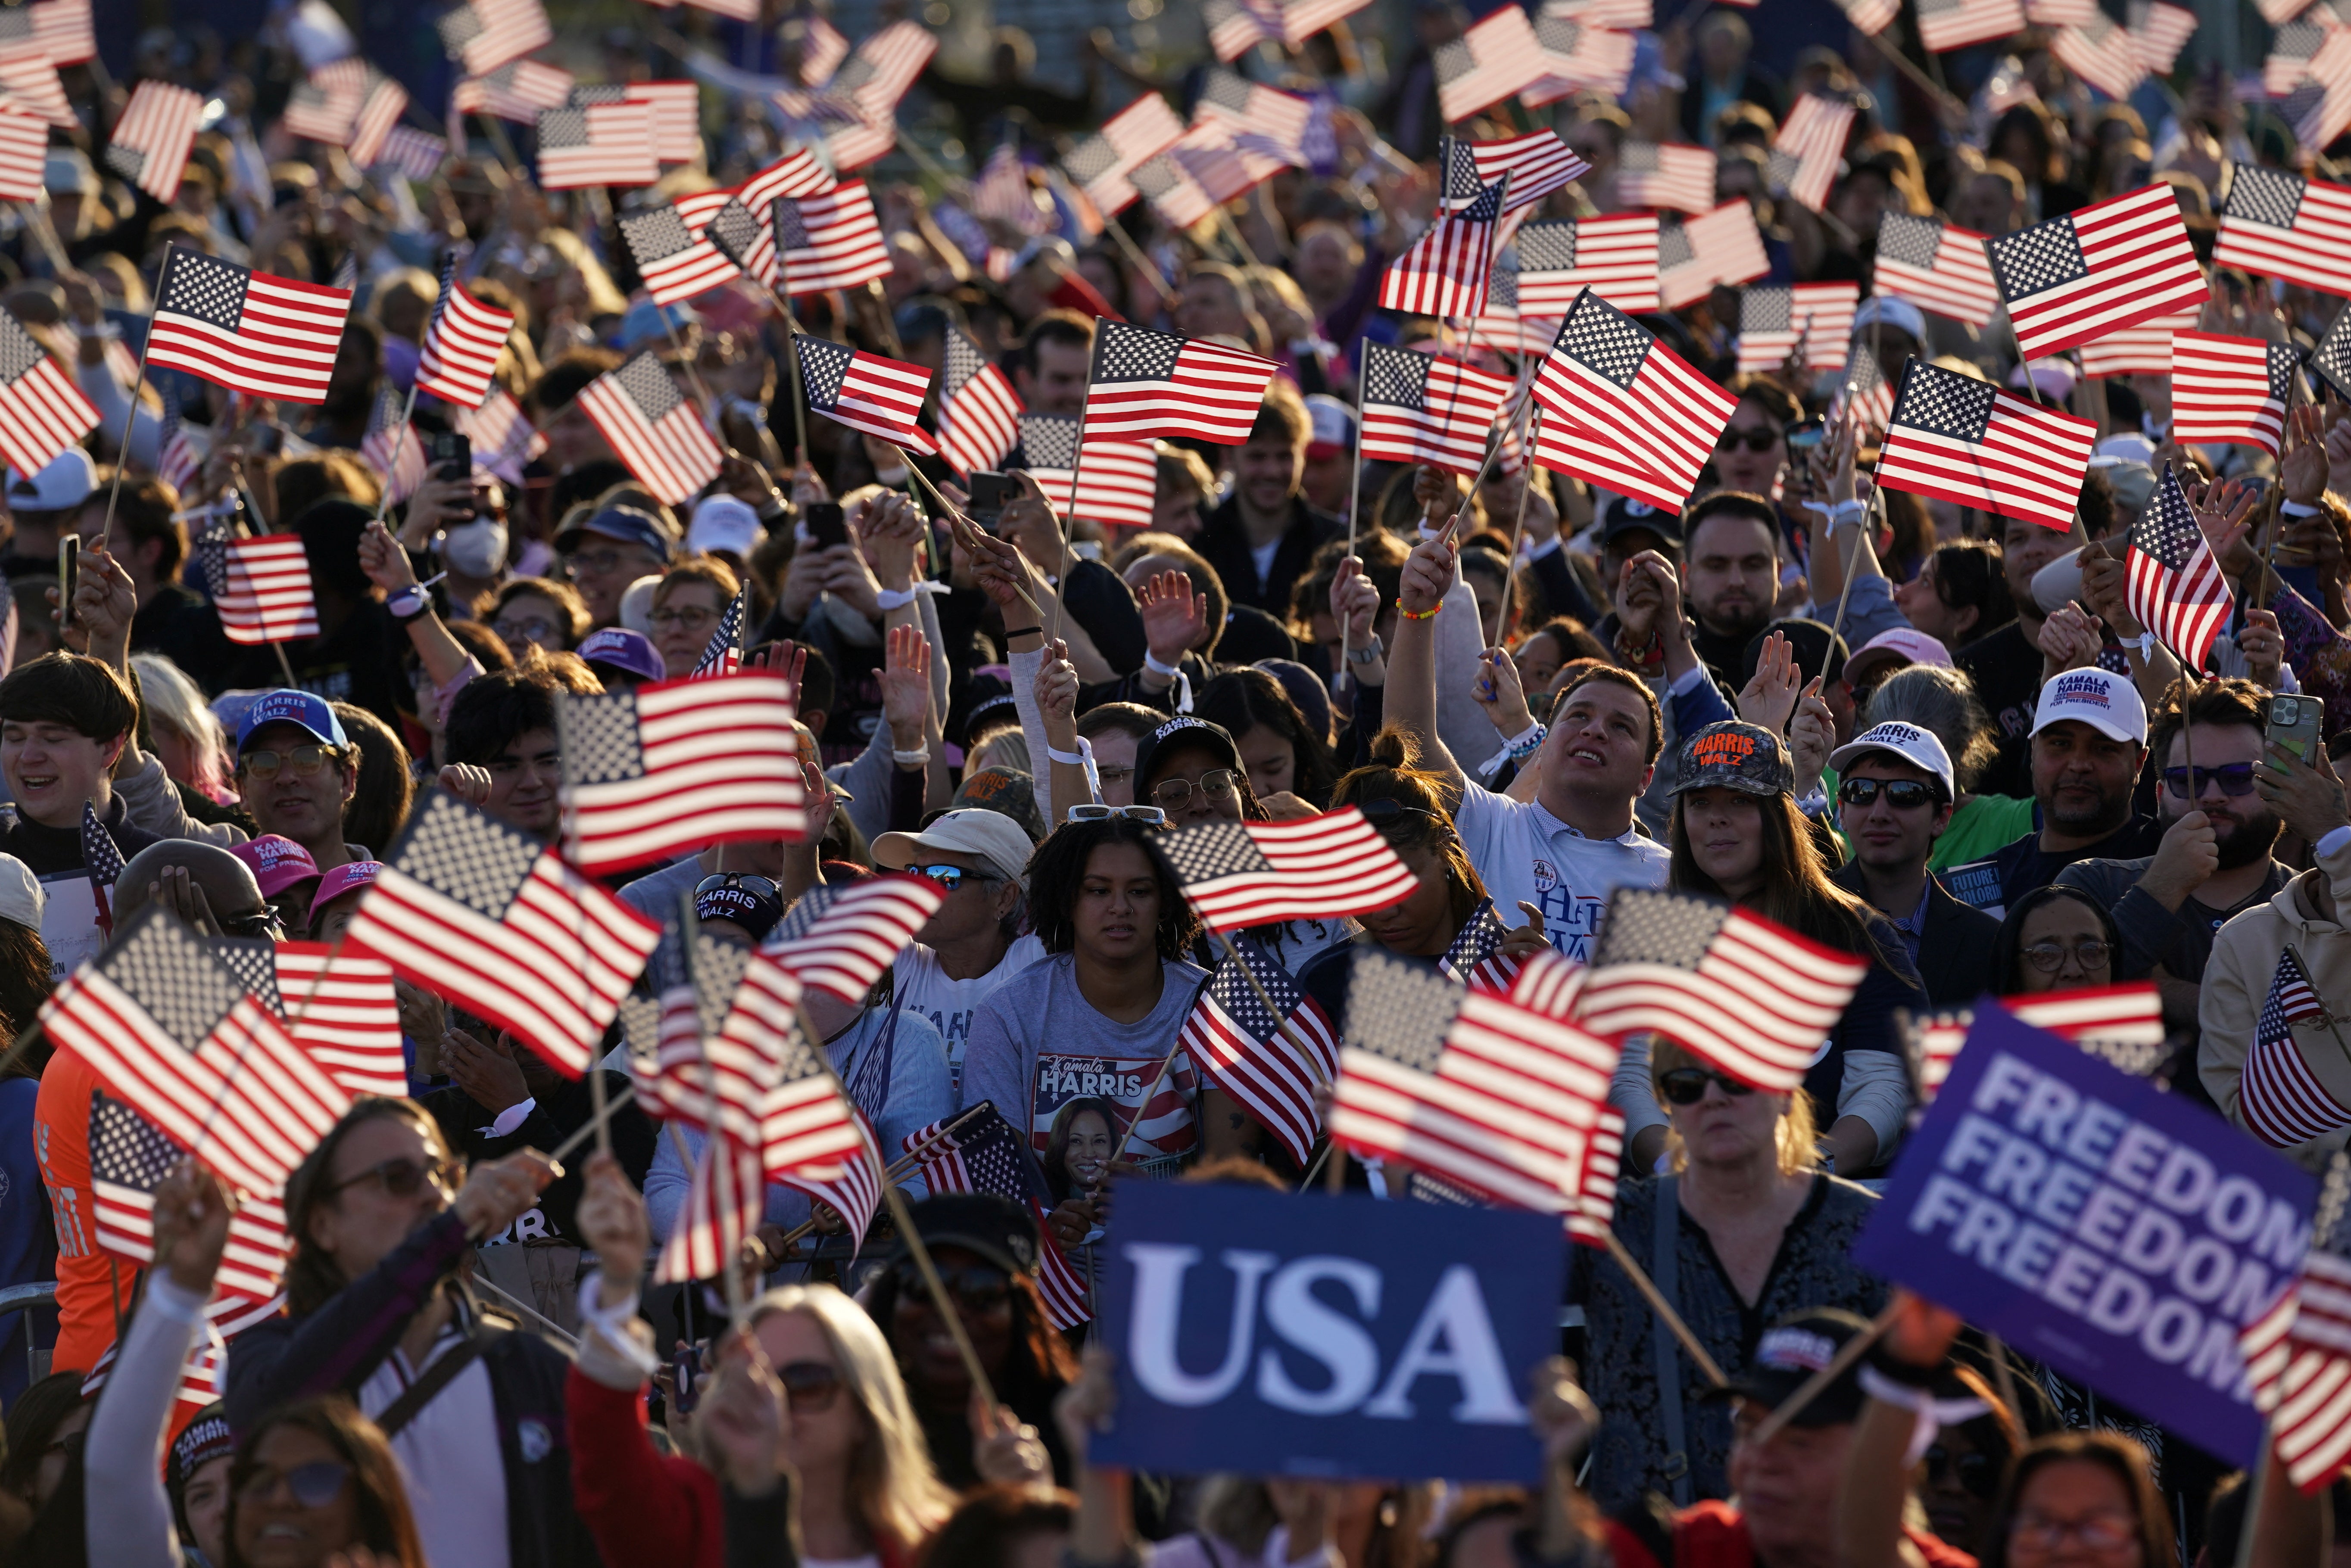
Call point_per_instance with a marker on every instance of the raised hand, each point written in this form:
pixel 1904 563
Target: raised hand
pixel 1428 573
pixel 1497 691
pixel 384 562
pixel 1524 942
pixel 1057 686
pixel 492 1077
pixel 892 532
pixel 2302 465
pixel 1174 617
pixel 905 680
pixel 499 1191
pixel 1438 492
pixel 1354 601
pixel 192 1215
pixel 2071 638
pixel 1769 698
pixel 741 1418
pixel 1812 736
pixel 611 1219
pixel 466 782
pixel 1006 1450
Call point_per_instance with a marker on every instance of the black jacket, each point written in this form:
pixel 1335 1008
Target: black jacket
pixel 1960 950
pixel 550 1124
pixel 1225 544
pixel 338 1347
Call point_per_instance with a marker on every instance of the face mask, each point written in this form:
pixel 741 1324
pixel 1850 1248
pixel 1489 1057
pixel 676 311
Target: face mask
pixel 475 549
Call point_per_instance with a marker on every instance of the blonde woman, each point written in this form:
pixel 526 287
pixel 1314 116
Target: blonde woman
pixel 189 739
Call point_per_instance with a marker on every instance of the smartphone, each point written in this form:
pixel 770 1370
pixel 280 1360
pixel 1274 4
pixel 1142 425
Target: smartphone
pixel 267 440
pixel 1806 435
pixel 989 493
pixel 687 1373
pixel 68 577
pixel 451 455
pixel 2294 723
pixel 825 525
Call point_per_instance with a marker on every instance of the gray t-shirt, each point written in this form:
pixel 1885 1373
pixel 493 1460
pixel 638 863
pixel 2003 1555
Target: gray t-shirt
pixel 1037 1045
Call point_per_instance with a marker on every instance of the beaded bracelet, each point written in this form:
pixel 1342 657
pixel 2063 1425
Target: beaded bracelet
pixel 1417 615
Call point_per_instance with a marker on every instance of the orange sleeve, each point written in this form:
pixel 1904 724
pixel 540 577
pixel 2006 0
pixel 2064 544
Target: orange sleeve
pixel 93 1289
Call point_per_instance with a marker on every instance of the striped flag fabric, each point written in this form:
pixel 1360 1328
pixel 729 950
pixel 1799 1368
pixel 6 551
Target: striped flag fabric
pixel 677 115
pixel 1538 163
pixel 42 412
pixel 2297 1353
pixel 2295 44
pixel 1665 174
pixel 2283 1102
pixel 985 1155
pixel 1502 325
pixel 1117 484
pixel 675 264
pixel 24 154
pixel 1947 25
pixel 828 241
pixel 839 938
pixel 2061 13
pixel 723 654
pixel 128 1159
pixel 151 141
pixel 865 391
pixel 796 173
pixel 517 92
pixel 1156 385
pixel 1241 874
pixel 697 1075
pixel 1626 16
pixel 1624 410
pixel 883 66
pixel 1862 393
pixel 1968 441
pixel 1751 997
pixel 1476 957
pixel 2143 350
pixel 1721 247
pixel 1615 256
pixel 472 909
pixel 2174 587
pixel 979 413
pixel 1872 16
pixel 391 447
pixel 67 29
pixel 178 461
pixel 204 1376
pixel 1496 57
pixel 2284 226
pixel 1237 26
pixel 28 74
pixel 1589 1222
pixel 2111 264
pixel 1578 57
pixel 2229 391
pixel 854 1190
pixel 1936 267
pixel 1418 408
pixel 382 103
pixel 1301 19
pixel 260 587
pixel 2098 1016
pixel 2320 107
pixel 1775 321
pixel 652 429
pixel 170 1030
pixel 412 154
pixel 723 1207
pixel 742 234
pixel 504 441
pixel 1269 126
pixel 665 769
pixel 1271 1062
pixel 341 1009
pixel 103 861
pixel 322 105
pixel 1808 151
pixel 597 144
pixel 483 35
pixel 1211 157
pixel 462 343
pixel 1171 189
pixel 1002 194
pixel 1099 165
pixel 246 330
pixel 1443 272
pixel 2158 32
pixel 2099 51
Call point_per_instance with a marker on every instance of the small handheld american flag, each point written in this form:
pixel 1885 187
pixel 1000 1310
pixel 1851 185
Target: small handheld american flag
pixel 42 412
pixel 2123 1023
pixel 867 392
pixel 1495 58
pixel 24 154
pixel 1538 163
pixel 1241 874
pixel 152 138
pixel 597 144
pixel 664 768
pixel 2175 587
pixel 1118 483
pixel 987 1154
pixel 839 939
pixel 1475 957
pixel 675 264
pixel 1444 272
pixel 1665 174
pixel 2283 1102
pixel 723 654
pixel 483 35
pixel 2105 266
pixel 260 587
pixel 128 1159
pixel 1808 150
pixel 1624 410
pixel 1936 267
pixel 339 1007
pixel 391 447
pixel 1421 409
pixel 2284 226
pixel 1271 1062
pixel 979 413
pixel 1615 256
pixel 652 429
pixel 1968 441
pixel 2230 392
pixel 2297 1353
pixel 246 330
pixel 1147 385
pixel 462 343
pixel 827 240
pixel 103 861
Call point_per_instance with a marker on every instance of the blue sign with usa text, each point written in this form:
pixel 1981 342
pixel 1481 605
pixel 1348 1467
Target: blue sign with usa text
pixel 2097 1224
pixel 1296 1334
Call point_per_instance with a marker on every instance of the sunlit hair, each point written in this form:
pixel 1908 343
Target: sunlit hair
pixel 171 698
pixel 1394 774
pixel 1793 1136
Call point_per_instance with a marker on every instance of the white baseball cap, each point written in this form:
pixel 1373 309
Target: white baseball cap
pixel 723 522
pixel 21 899
pixel 69 480
pixel 1914 745
pixel 970 830
pixel 2098 697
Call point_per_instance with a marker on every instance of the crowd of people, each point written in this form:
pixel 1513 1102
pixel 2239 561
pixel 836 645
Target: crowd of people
pixel 1925 735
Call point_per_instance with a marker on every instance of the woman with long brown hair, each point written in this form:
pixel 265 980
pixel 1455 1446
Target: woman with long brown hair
pixel 313 1482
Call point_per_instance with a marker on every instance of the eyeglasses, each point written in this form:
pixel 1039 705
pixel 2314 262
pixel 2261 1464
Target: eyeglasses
pixel 1903 795
pixel 2107 1531
pixel 1686 1085
pixel 2234 779
pixel 314 1485
pixel 403 1178
pixel 951 878
pixel 1216 783
pixel 810 1385
pixel 535 630
pixel 306 762
pixel 1976 1472
pixel 692 620
pixel 1088 811
pixel 978 1289
pixel 2050 957
pixel 608 561
pixel 757 886
pixel 1756 440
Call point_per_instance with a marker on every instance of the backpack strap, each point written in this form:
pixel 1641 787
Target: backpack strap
pixel 438 1376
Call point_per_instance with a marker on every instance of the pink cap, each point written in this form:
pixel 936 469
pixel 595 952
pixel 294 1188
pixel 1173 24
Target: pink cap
pixel 343 879
pixel 1907 644
pixel 277 862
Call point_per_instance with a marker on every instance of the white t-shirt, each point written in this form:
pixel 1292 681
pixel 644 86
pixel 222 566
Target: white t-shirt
pixel 1524 853
pixel 450 1458
pixel 927 990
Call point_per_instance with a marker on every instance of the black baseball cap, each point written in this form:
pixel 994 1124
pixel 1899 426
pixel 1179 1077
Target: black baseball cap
pixel 756 913
pixel 1182 732
pixel 1790 1351
pixel 996 1228
pixel 1625 515
pixel 1734 754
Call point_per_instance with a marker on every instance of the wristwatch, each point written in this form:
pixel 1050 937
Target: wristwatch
pixel 1366 653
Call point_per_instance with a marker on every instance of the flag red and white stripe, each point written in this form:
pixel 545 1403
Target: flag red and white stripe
pixel 2173 585
pixel 723 1207
pixel 1936 267
pixel 1968 441
pixel 2093 271
pixel 462 345
pixel 1947 25
pixel 840 942
pixel 1665 174
pixel 267 596
pixel 1117 485
pixel 979 413
pixel 652 429
pixel 2100 51
pixel 1624 410
pixel 1444 272
pixel 1420 408
pixel 67 32
pixel 1578 57
pixel 1538 164
pixel 597 144
pixel 485 35
pixel 2143 350
pixel 1808 150
pixel 516 92
pixel 2107 1015
pixel 269 337
pixel 24 154
pixel 1147 384
pixel 2158 32
pixel 391 447
pixel 2284 226
pixel 666 769
pixel 341 1009
pixel 42 412
pixel 673 264
pixel 1272 1063
pixel 2280 1099
pixel 1240 874
pixel 1723 246
pixel 1615 256
pixel 867 392
pixel 151 141
pixel 1496 57
pixel 2229 391
pixel 829 241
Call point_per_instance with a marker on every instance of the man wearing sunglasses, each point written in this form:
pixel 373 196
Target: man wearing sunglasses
pixel 974 943
pixel 1894 800
pixel 297 771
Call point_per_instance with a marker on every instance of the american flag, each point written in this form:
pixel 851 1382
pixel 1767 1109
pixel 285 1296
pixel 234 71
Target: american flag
pixel 1476 957
pixel 1148 384
pixel 2061 13
pixel 2229 391
pixel 1872 16
pixel 2158 32
pixel 1099 165
pixel 1444 272
pixel 462 343
pixel 168 1029
pixel 28 74
pixel 2278 13
pixel 1616 257
pixel 1172 193
pixel 269 337
pixel 340 1009
pixel 796 173
pixel 2287 227
pixel 2144 348
pixel 1418 408
pixel 866 391
pixel 2295 44
pixel 1862 393
pixel 42 412
pixel 412 154
pixel 1001 193
pixel 1665 174
pixel 204 1376
pixel 1968 441
pixel 503 439
pixel 1578 57
pixel 600 144
pixel 677 114
pixel 854 1190
pixel 2101 52
pixel 863 143
pixel 2332 358
pixel 2107 266
pixel 1210 158
pixel 322 107
pixel 151 141
pixel 2175 587
pixel 1468 1086
pixel 1603 1162
pixel 1947 25
pixel 827 242
pixel 2297 1353
pixel 840 940
pixel 665 769
pixel 2321 107
pixel 1271 1066
pixel 822 48
pixel 1496 57
pixel 1808 151
pixel 1936 267
pixel 102 860
pixel 1502 325
pixel 1240 874
pixel 391 447
pixel 2283 1102
pixel 1237 26
pixel 1775 319
pixel 1538 164
pixel 261 585
pixel 382 103
pixel 1269 125
pixel 1301 19
pixel 652 429
pixel 485 35
pixel 1749 996
pixel 517 92
pixel 883 66
pixel 1629 16
pixel 470 909
pixel 723 1207
pixel 1624 410
pixel 1117 484
pixel 1723 246
pixel 128 1159
pixel 2108 1019
pixel 723 654
pixel 979 413
pixel 985 1155
pixel 67 29
pixel 179 459
pixel 674 265
pixel 24 152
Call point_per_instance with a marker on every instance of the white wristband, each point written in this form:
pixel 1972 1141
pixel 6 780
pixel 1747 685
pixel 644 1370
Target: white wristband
pixel 611 1325
pixel 1929 1414
pixel 899 599
pixel 1084 757
pixel 914 759
pixel 2296 509
pixel 1151 662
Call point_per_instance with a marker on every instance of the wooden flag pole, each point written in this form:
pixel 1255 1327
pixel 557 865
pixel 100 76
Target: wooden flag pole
pixel 1354 511
pixel 1853 555
pixel 1665 1311
pixel 253 512
pixel 1518 530
pixel 131 413
pixel 782 301
pixel 1141 262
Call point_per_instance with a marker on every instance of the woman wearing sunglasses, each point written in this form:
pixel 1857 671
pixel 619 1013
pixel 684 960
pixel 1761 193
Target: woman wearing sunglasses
pixel 314 1485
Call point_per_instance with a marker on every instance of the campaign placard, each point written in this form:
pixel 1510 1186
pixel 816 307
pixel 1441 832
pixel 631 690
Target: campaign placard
pixel 1305 1334
pixel 2097 1224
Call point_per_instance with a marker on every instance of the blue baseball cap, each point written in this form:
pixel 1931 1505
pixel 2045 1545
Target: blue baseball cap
pixel 626 524
pixel 288 707
pixel 625 650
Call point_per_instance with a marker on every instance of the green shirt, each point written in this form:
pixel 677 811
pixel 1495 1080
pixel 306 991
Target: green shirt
pixel 1987 823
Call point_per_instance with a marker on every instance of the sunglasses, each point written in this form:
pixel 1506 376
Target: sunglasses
pixel 1390 813
pixel 810 1385
pixel 2234 779
pixel 1216 783
pixel 314 1485
pixel 1149 816
pixel 306 762
pixel 1686 1085
pixel 1976 1472
pixel 951 878
pixel 263 923
pixel 532 630
pixel 1904 795
pixel 2050 957
pixel 977 1289
pixel 1756 440
pixel 404 1177
pixel 757 886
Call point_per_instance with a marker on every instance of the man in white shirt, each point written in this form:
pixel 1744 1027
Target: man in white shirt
pixel 1562 854
pixel 974 943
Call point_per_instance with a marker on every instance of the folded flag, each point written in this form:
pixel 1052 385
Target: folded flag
pixel 663 770
pixel 652 429
pixel 2284 226
pixel 1444 272
pixel 2104 266
pixel 1862 393
pixel 839 938
pixel 260 587
pixel 151 141
pixel 1665 174
pixel 597 144
pixel 1496 57
pixel 503 439
pixel 1117 485
pixel 483 35
pixel 246 330
pixel 462 343
pixel 128 1159
pixel 2174 587
pixel 1624 410
pixel 979 413
pixel 1615 256
pixel 865 391
pixel 1240 874
pixel 1156 385
pixel 1271 1061
pixel 1936 267
pixel 854 1191
pixel 2230 392
pixel 1418 408
pixel 1476 957
pixel 1968 441
pixel 42 412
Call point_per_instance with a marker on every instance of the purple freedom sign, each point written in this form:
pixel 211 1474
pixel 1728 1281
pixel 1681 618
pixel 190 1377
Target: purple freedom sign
pixel 2097 1224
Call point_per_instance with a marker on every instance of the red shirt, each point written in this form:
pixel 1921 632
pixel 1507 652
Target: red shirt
pixel 1713 1535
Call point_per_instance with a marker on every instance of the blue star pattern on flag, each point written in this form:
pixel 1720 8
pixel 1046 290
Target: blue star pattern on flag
pixel 1270 1062
pixel 723 655
pixel 103 861
pixel 2175 587
pixel 2284 1104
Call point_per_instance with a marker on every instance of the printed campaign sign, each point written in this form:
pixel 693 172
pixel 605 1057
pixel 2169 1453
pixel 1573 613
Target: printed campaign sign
pixel 1286 1333
pixel 1069 1083
pixel 2118 1234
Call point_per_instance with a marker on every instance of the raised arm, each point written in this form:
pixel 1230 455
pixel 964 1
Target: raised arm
pixel 1412 664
